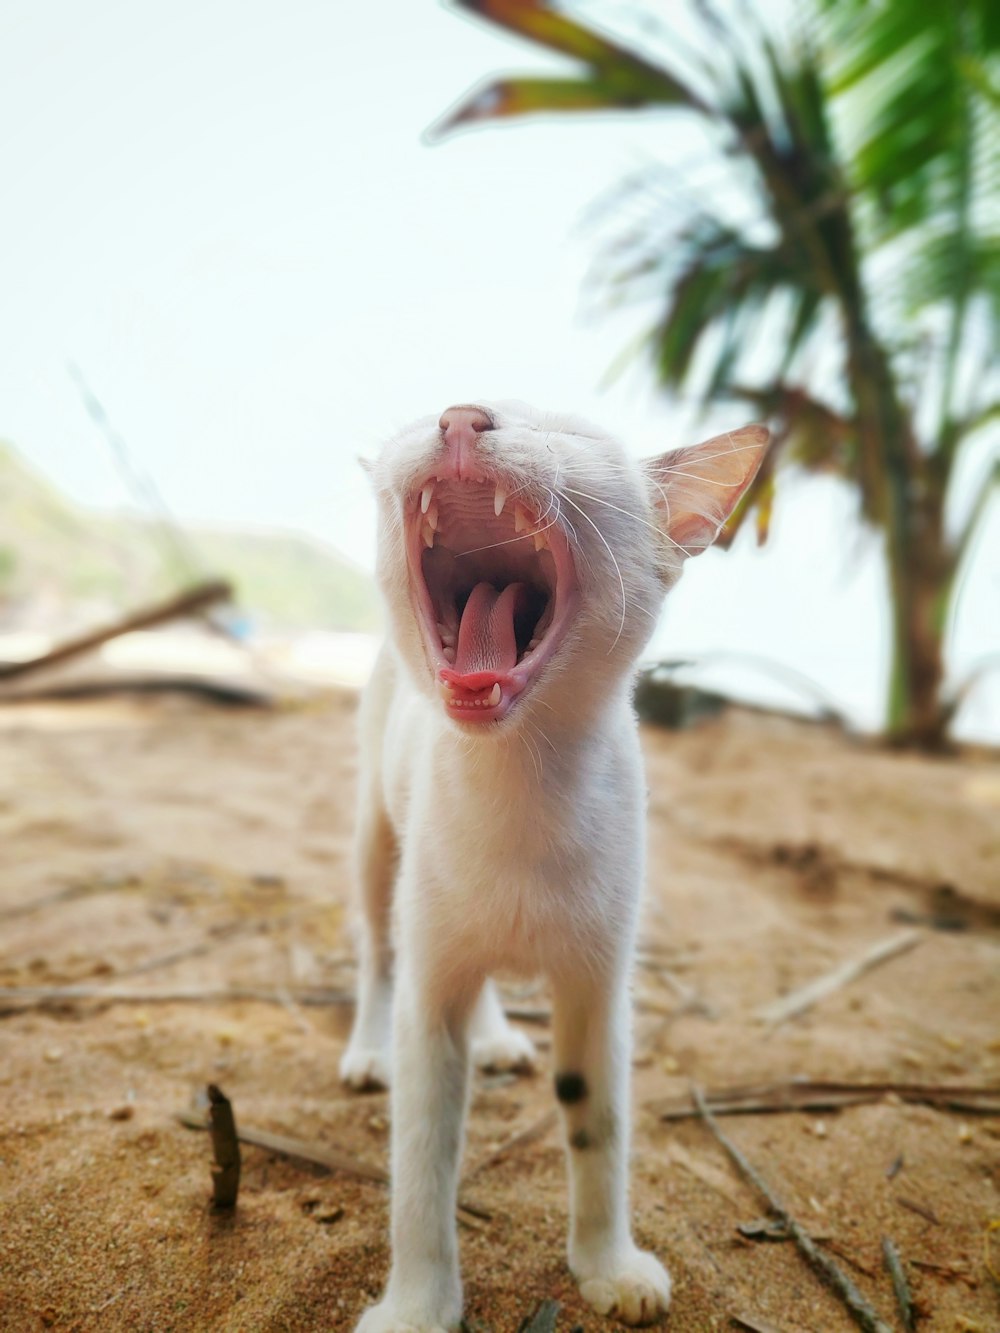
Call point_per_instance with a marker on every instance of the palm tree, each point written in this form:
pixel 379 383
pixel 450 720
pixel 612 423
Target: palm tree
pixel 857 235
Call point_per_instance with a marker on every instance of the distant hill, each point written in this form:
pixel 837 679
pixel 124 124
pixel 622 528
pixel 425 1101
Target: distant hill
pixel 61 562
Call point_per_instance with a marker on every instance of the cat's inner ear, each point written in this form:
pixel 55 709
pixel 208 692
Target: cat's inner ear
pixel 694 490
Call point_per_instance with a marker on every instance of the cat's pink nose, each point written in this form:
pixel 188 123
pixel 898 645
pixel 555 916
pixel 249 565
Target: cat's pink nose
pixel 460 426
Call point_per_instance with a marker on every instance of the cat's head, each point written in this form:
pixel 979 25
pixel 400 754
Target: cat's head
pixel 523 555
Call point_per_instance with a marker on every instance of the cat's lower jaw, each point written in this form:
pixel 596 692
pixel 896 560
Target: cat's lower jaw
pixel 633 1288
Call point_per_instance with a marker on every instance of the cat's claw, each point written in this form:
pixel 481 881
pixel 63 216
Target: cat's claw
pixel 364 1068
pixel 504 1050
pixel 635 1292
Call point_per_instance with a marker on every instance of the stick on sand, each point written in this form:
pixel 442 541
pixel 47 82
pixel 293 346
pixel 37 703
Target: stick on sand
pixel 790 1006
pixel 864 1315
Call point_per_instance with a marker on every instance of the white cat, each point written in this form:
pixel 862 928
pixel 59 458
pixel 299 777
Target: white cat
pixel 523 557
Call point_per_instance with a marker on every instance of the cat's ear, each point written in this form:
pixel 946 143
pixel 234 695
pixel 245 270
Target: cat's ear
pixel 694 490
pixel 366 466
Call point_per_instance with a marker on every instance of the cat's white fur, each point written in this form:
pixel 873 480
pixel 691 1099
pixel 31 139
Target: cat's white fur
pixel 518 847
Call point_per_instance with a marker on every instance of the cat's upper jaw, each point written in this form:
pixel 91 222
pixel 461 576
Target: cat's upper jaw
pixel 524 555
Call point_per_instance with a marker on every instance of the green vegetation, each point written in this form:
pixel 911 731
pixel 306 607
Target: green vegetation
pixel 59 559
pixel 838 271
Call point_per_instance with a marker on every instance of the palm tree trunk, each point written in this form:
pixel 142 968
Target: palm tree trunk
pixel 904 493
pixel 921 570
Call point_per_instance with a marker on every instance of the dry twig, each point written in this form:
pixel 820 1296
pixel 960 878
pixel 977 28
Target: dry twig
pixel 16 999
pixel 790 1006
pixel 812 1095
pixel 921 1209
pixel 752 1324
pixel 331 1159
pixel 225 1147
pixel 529 1134
pixel 899 1283
pixel 864 1315
pixel 543 1320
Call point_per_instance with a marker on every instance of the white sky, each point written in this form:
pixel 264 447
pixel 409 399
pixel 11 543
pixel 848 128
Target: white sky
pixel 224 213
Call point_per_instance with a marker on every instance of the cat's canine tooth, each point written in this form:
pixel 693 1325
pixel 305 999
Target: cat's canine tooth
pixel 541 541
pixel 428 533
pixel 521 521
pixel 432 515
pixel 425 497
pixel 495 694
pixel 500 499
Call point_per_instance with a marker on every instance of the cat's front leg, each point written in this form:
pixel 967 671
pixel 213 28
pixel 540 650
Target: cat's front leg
pixel 591 1040
pixel 429 1094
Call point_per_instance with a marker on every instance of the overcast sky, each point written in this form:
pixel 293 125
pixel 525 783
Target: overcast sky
pixel 224 213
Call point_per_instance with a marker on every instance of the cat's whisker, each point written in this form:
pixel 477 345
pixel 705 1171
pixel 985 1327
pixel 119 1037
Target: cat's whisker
pixel 621 581
pixel 628 514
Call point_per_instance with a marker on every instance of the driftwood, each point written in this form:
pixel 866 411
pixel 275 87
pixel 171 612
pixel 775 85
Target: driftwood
pixel 790 1006
pixel 187 603
pixel 806 1095
pixel 225 1147
pixel 864 1315
pixel 16 999
pixel 232 693
pixel 330 1159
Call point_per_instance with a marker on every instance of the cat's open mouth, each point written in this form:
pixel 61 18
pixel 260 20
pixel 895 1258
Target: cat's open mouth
pixel 494 587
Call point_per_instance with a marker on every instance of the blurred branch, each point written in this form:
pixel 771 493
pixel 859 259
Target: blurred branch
pixel 187 603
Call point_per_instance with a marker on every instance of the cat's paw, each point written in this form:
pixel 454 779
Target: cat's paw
pixel 508 1049
pixel 364 1068
pixel 383 1318
pixel 636 1290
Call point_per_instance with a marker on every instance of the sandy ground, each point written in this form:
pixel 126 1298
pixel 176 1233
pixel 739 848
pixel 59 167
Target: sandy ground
pixel 168 846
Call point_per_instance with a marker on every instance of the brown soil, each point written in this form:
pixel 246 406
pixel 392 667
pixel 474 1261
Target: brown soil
pixel 132 834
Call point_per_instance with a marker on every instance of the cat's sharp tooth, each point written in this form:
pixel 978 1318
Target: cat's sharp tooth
pixel 495 694
pixel 432 515
pixel 425 497
pixel 427 533
pixel 500 499
pixel 521 520
pixel 541 541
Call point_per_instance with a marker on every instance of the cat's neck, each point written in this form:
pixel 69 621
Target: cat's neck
pixel 547 750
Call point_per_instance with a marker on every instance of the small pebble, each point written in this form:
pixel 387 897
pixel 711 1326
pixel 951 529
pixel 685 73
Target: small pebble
pixel 121 1113
pixel 53 1054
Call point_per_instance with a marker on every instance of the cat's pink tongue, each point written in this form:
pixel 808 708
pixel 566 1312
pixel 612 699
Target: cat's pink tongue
pixel 486 640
